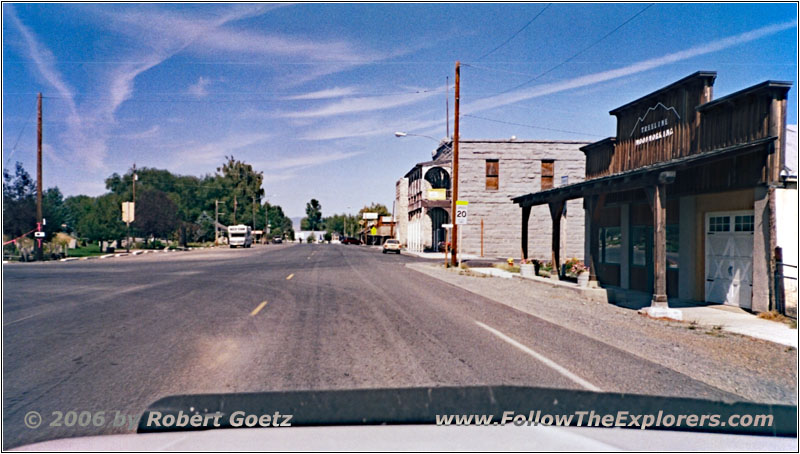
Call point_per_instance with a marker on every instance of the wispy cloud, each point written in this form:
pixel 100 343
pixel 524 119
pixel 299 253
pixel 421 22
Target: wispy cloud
pixel 363 104
pixel 635 68
pixel 199 89
pixel 288 168
pixel 201 156
pixel 43 60
pixel 335 92
pixel 367 127
pixel 149 133
pixel 309 160
pixel 89 126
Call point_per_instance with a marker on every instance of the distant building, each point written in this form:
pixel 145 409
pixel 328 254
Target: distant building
pixel 316 235
pixel 695 198
pixel 490 173
pixel 376 231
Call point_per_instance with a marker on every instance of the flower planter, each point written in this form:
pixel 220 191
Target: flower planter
pixel 583 279
pixel 527 270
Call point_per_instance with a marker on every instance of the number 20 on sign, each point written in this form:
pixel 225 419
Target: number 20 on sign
pixel 461 212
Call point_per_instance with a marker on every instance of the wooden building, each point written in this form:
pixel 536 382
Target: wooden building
pixel 681 202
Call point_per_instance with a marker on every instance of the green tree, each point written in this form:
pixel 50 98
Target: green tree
pixel 374 208
pixel 97 219
pixel 280 225
pixel 341 223
pixel 76 209
pixel 313 219
pixel 19 202
pixel 156 214
pixel 239 187
pixel 53 211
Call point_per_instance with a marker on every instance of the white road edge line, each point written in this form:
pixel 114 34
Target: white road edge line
pixel 547 361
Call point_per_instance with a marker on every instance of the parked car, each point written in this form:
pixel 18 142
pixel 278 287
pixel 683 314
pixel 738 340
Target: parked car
pixel 277 240
pixel 391 245
pixel 351 240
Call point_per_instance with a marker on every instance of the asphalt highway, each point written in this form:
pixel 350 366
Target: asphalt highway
pixel 115 335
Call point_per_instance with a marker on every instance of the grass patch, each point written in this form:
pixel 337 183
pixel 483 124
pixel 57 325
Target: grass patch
pixel 776 316
pixel 507 267
pixel 716 331
pixel 86 251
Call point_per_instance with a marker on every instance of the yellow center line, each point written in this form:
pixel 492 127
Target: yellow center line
pixel 258 308
pixel 289 276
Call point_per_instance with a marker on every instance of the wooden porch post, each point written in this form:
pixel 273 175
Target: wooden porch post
pixel 556 212
pixel 595 204
pixel 526 215
pixel 658 196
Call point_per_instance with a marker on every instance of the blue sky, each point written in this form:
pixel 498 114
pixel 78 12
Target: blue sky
pixel 311 94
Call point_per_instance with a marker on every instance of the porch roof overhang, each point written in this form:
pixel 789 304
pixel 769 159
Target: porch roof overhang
pixel 636 178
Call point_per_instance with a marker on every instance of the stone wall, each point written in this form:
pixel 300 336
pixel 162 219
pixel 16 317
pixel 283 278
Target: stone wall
pixel 519 174
pixel 401 210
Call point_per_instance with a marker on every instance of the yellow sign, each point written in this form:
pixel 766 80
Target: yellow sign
pixel 373 231
pixel 437 194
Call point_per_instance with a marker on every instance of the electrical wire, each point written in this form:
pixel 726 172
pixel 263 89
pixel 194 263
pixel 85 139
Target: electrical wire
pixel 515 34
pixel 529 126
pixel 553 68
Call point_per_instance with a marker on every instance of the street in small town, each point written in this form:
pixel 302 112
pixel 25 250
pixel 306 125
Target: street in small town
pixel 388 217
pixel 120 333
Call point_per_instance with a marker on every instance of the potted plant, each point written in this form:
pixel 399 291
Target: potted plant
pixel 526 268
pixel 580 270
pixel 545 268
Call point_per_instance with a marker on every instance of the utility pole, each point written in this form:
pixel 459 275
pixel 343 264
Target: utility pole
pixel 254 212
pixel 128 223
pixel 235 205
pixel 39 251
pixel 216 222
pixel 454 237
pixel 134 177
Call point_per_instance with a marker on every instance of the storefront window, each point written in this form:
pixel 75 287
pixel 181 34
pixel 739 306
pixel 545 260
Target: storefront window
pixel 639 243
pixel 672 245
pixel 610 245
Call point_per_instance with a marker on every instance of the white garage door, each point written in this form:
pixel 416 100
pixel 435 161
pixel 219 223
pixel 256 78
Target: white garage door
pixel 729 258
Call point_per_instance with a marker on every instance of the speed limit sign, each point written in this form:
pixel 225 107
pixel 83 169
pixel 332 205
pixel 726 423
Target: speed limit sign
pixel 461 212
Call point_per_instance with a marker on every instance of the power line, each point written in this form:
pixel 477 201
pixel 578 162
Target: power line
pixel 580 51
pixel 530 126
pixel 517 33
pixel 24 125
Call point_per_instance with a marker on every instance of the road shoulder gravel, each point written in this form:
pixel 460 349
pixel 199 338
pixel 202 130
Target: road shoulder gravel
pixel 761 371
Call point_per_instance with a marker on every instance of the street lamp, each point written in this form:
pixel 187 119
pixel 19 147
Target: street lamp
pixel 404 134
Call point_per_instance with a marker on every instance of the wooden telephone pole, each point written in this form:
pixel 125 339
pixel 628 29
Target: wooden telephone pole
pixel 454 197
pixel 39 250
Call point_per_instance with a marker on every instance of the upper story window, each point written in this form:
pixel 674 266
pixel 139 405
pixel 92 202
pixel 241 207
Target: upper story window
pixel 548 171
pixel 492 174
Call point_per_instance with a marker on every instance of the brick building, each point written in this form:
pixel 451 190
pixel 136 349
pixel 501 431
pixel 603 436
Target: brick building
pixel 490 173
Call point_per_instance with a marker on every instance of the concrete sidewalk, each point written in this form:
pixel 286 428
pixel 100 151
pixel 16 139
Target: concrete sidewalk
pixel 737 320
pixel 440 255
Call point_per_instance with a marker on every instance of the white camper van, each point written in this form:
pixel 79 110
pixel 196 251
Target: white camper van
pixel 240 235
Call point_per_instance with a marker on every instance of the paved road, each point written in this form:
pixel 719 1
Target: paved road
pixel 118 334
